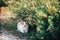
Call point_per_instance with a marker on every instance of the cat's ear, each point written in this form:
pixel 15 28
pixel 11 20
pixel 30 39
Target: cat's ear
pixel 19 20
pixel 26 21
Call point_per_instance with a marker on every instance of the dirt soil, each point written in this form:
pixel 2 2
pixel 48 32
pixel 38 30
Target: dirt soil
pixel 5 35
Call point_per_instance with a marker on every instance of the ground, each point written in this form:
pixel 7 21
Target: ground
pixel 6 35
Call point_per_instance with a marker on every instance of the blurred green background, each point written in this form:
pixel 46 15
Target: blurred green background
pixel 45 14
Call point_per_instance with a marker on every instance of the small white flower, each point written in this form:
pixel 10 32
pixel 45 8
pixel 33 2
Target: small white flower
pixel 59 11
pixel 42 6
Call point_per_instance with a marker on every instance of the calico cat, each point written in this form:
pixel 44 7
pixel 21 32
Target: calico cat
pixel 22 26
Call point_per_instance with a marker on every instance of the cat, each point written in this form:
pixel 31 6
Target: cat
pixel 22 26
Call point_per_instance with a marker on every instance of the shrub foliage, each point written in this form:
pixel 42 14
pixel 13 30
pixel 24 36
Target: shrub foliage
pixel 45 14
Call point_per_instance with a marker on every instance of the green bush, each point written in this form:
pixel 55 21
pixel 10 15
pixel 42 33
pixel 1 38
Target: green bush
pixel 44 14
